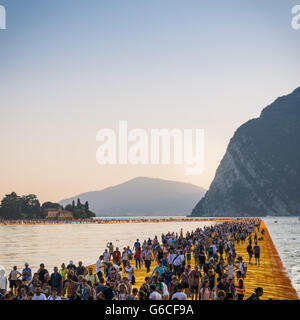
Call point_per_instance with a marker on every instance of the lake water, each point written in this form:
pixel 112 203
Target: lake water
pixel 286 237
pixel 54 244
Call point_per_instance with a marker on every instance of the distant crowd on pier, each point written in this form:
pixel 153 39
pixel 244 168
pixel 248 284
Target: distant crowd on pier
pixel 200 265
pixel 101 220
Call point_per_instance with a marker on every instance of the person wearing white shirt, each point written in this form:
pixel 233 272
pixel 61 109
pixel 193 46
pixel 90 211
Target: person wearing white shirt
pixel 165 294
pixel 116 267
pixel 129 270
pixel 106 260
pixel 177 262
pixel 54 295
pixel 242 266
pixel 214 249
pixel 39 295
pixel 170 259
pixel 106 256
pixel 3 281
pixel 179 295
pixel 154 295
pixel 98 267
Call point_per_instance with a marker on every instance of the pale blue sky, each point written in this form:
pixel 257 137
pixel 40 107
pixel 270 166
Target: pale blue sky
pixel 69 68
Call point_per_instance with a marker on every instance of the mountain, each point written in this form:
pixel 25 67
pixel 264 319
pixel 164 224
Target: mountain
pixel 142 197
pixel 260 172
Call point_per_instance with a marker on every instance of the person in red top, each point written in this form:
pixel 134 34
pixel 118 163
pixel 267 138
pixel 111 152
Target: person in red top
pixel 117 256
pixel 137 256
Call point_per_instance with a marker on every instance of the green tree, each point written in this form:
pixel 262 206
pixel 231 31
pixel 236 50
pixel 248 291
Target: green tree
pixel 80 212
pixel 30 207
pixel 86 207
pixel 50 205
pixel 11 206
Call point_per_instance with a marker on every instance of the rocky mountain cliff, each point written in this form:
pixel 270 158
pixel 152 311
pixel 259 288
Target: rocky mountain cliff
pixel 260 172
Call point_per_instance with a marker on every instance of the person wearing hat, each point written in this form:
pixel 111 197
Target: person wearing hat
pixel 26 274
pixel 92 277
pixel 71 265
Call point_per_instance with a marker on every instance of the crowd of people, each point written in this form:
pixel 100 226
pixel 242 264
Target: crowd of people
pixel 200 265
pixel 49 221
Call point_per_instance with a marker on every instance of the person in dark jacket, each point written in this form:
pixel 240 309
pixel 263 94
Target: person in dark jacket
pixel 56 280
pixel 258 292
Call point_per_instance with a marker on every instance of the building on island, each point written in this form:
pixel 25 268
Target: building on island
pixel 58 214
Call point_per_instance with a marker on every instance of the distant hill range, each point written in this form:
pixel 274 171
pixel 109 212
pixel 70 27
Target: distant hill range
pixel 260 172
pixel 142 197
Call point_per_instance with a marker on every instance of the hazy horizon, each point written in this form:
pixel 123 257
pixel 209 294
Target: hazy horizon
pixel 70 68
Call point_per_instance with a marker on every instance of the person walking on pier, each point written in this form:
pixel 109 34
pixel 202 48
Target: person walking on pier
pixel 257 253
pixel 240 286
pixel 137 257
pixel 13 277
pixel 250 252
pixel 56 280
pixel 26 274
pixel 177 262
pixel 179 295
pixel 92 277
pixel 98 267
pixel 3 282
pixel 110 247
pixel 205 292
pixel 125 257
pixel 194 281
pixel 147 257
pixel 242 266
pixel 116 256
pixel 171 257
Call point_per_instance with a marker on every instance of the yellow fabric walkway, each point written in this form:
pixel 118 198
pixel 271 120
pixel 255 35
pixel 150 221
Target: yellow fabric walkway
pixel 270 274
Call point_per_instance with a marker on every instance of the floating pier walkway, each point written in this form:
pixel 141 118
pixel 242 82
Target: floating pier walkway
pixel 270 274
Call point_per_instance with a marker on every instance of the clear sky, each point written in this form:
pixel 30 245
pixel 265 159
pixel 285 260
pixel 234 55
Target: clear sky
pixel 69 68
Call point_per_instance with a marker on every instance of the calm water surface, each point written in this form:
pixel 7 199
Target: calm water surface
pixel 286 237
pixel 54 244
